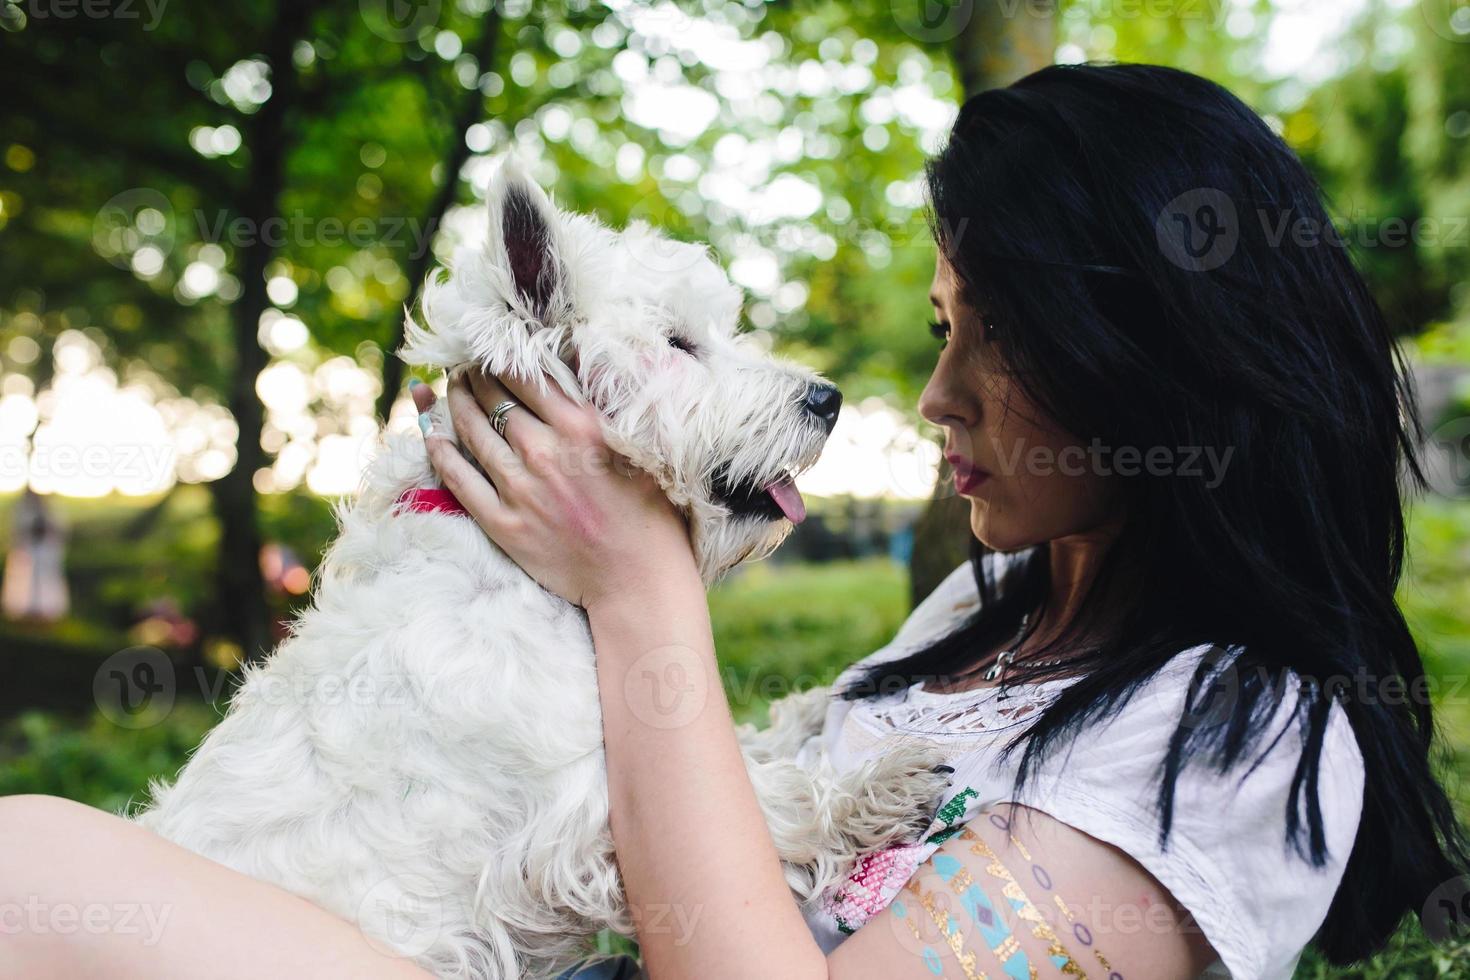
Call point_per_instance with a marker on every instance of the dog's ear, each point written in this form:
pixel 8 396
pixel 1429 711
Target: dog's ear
pixel 525 242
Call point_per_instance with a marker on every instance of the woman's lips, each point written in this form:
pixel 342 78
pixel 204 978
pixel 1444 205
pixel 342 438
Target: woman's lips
pixel 967 477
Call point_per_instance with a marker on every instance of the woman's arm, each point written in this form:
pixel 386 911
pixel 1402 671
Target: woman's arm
pixel 701 872
pixel 703 879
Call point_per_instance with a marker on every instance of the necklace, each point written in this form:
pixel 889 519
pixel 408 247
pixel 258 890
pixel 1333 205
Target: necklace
pixel 1004 659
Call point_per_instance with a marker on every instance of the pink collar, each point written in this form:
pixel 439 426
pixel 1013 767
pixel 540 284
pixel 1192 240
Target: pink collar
pixel 424 500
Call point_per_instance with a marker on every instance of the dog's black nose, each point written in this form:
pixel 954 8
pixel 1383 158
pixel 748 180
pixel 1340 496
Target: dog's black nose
pixel 823 401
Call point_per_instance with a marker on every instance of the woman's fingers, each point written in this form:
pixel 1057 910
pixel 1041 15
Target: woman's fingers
pixel 475 433
pixel 469 486
pixel 544 397
pixel 422 395
pixel 525 432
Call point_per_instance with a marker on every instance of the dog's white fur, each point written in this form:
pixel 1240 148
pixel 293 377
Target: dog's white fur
pixel 423 755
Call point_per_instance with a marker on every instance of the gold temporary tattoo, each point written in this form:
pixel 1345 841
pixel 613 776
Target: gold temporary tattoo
pixel 955 939
pixel 1023 907
pixel 926 952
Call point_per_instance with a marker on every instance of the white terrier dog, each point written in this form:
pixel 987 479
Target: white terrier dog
pixel 424 755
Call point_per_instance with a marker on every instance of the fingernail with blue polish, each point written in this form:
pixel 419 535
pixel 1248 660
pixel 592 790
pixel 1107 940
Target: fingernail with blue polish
pixel 426 422
pixel 413 382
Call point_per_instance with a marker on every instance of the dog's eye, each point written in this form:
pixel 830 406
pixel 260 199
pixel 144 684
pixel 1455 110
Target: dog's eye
pixel 679 343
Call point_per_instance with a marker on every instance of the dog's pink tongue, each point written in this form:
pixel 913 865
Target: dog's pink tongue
pixel 788 498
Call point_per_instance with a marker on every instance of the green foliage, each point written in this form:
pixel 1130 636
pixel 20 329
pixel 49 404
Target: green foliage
pixel 97 762
pixel 1445 343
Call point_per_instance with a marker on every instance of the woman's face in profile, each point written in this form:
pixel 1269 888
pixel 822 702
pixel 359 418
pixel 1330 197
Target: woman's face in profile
pixel 1027 481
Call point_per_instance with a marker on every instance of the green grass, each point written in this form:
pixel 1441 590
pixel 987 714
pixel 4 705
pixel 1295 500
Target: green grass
pixel 784 628
pixel 780 628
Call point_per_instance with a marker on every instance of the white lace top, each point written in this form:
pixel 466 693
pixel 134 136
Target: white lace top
pixel 1226 860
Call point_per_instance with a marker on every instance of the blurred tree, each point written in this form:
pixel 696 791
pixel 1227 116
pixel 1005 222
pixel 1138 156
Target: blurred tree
pixel 277 141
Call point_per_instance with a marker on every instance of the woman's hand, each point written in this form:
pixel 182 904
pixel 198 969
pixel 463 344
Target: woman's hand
pixel 572 513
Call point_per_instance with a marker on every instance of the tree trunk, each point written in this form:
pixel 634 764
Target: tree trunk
pixel 243 611
pixel 1002 42
pixel 418 265
pixel 992 50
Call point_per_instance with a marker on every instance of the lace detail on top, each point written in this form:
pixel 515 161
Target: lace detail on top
pixel 917 711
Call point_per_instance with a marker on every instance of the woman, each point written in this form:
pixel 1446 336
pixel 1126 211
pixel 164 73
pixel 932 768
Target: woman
pixel 1181 439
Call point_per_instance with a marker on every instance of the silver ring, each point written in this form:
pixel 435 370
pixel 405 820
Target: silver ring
pixel 498 416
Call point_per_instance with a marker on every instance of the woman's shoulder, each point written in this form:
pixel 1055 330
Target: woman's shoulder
pixel 1227 833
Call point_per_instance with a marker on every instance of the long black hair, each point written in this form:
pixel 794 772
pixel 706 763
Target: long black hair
pixel 1162 273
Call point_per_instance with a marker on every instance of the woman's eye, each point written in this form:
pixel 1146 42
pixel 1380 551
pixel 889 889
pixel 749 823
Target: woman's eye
pixel 679 343
pixel 940 331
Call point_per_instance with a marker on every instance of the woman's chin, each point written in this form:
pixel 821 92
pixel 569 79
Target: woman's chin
pixel 994 534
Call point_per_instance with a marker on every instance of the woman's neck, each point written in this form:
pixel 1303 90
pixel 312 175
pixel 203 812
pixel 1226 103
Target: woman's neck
pixel 1075 563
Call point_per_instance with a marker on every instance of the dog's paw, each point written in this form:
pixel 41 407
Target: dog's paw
pixel 896 795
